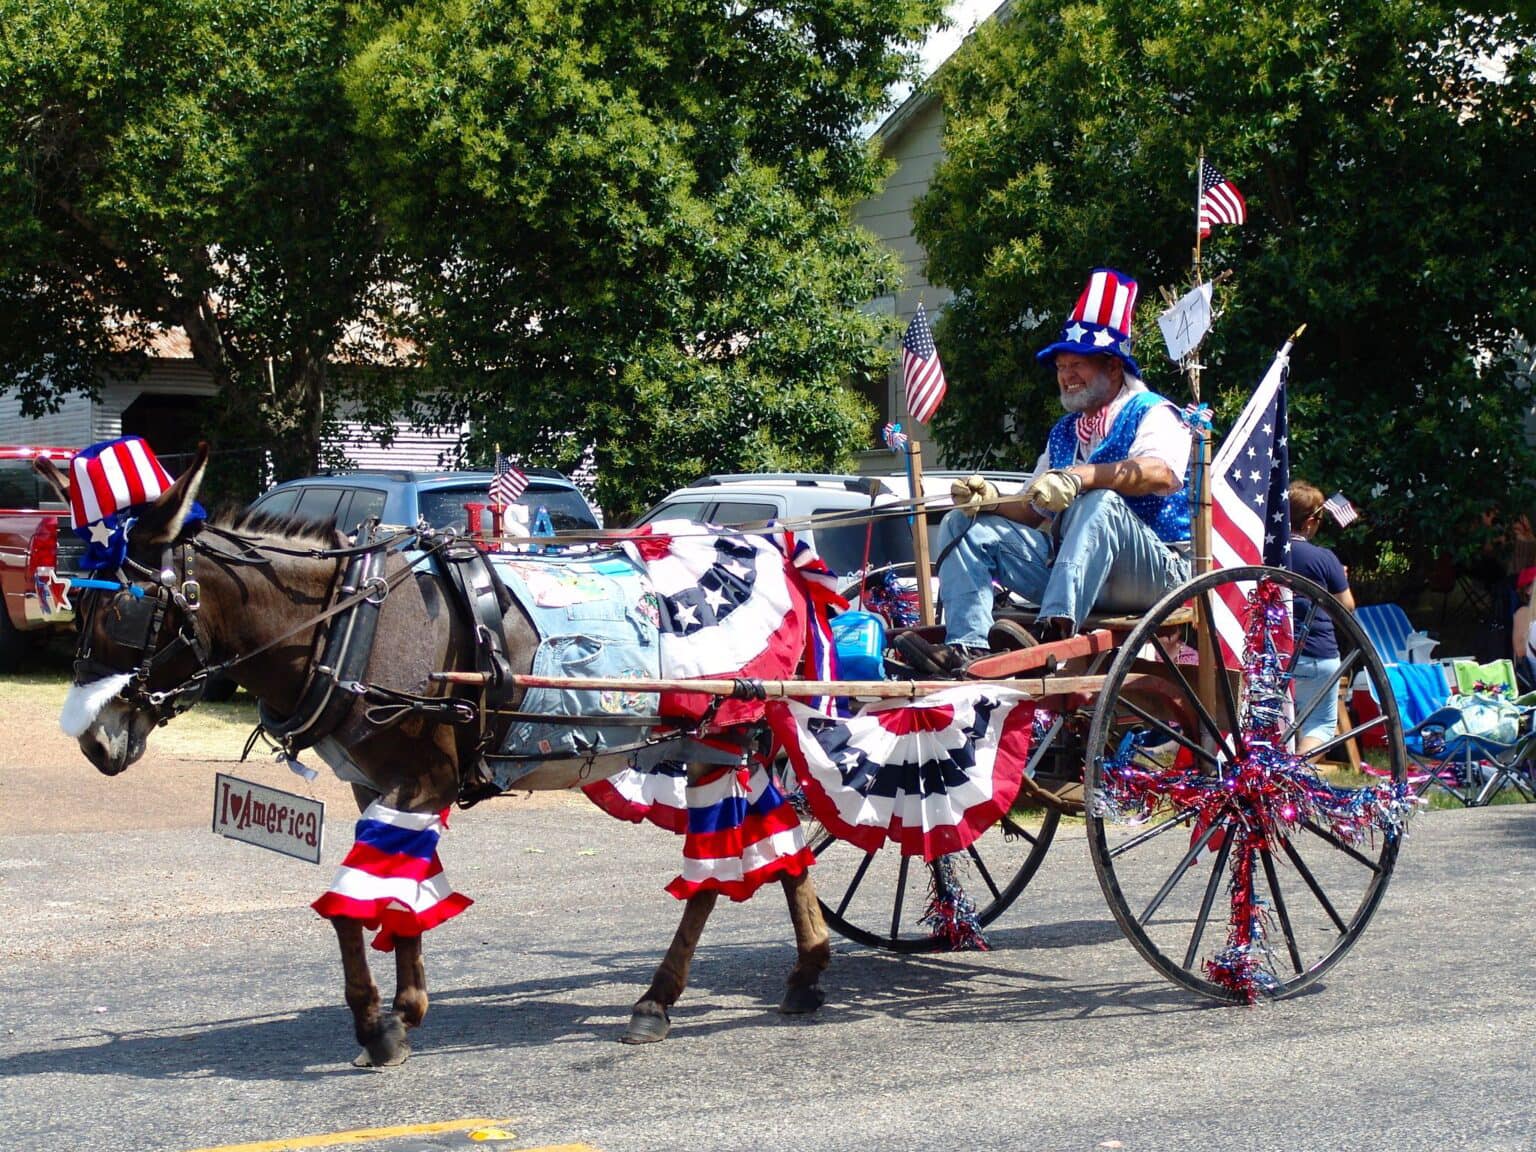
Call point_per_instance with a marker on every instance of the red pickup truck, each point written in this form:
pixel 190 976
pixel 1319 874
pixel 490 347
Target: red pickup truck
pixel 34 554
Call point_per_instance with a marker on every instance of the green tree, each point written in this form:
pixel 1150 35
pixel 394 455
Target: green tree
pixel 1387 151
pixel 185 163
pixel 627 224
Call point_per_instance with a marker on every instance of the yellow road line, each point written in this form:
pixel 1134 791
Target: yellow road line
pixel 360 1135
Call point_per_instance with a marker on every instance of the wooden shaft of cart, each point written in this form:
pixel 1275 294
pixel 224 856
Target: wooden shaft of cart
pixel 747 689
pixel 920 562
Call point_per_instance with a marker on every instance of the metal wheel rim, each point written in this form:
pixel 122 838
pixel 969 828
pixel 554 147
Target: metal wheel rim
pixel 1104 853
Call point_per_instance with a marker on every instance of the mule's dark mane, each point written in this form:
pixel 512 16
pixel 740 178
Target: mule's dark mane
pixel 282 524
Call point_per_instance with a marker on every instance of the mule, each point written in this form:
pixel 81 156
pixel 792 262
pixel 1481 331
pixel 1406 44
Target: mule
pixel 253 598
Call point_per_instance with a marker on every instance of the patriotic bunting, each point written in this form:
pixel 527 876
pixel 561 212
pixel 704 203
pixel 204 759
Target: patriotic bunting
pixel 930 776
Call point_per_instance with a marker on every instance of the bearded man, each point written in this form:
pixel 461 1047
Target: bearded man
pixel 1104 520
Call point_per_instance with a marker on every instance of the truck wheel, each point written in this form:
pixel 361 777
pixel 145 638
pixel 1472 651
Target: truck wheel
pixel 14 644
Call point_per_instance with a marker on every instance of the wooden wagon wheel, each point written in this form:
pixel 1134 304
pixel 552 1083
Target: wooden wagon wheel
pixel 1235 867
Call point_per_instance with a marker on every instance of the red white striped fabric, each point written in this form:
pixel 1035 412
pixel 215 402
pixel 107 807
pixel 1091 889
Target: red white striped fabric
pixel 1108 299
pixel 392 879
pixel 111 477
pixel 742 832
pixel 921 371
pixel 1220 201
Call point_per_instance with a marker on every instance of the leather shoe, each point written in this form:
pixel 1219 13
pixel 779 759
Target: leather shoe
pixel 940 661
pixel 1010 636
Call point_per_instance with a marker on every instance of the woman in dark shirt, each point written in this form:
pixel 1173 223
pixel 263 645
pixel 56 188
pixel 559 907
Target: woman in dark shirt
pixel 1318 663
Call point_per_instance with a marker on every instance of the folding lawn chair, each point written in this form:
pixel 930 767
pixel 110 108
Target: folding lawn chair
pixel 1395 639
pixel 1475 744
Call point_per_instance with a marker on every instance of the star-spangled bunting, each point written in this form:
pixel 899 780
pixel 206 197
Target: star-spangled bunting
pixel 509 483
pixel 1250 507
pixel 921 371
pixel 1220 201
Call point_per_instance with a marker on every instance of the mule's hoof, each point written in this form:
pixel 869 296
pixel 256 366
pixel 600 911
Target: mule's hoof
pixel 388 1048
pixel 799 1001
pixel 647 1025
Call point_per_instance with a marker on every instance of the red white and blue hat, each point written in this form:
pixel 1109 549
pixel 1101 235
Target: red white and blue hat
pixel 107 482
pixel 1100 325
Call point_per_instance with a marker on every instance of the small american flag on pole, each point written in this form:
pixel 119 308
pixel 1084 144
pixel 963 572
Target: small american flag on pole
pixel 921 370
pixel 1342 511
pixel 509 483
pixel 1220 201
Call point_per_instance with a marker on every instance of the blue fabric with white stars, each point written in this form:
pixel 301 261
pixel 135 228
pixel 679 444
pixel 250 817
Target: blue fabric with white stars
pixel 1167 516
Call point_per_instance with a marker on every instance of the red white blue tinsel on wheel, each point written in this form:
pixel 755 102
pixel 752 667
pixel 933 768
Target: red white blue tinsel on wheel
pixel 1261 799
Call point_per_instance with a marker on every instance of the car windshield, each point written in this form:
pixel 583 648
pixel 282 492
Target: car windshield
pixel 568 511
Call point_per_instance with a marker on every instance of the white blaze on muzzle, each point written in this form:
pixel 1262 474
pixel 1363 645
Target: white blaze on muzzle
pixel 85 702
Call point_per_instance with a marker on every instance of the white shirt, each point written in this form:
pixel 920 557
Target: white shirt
pixel 1162 435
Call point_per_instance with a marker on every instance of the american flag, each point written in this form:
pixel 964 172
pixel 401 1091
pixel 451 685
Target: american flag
pixel 1250 508
pixel 1220 201
pixel 1342 511
pixel 509 483
pixel 921 370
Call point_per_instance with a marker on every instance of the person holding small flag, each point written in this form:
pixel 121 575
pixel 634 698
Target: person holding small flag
pixel 1104 520
pixel 1317 665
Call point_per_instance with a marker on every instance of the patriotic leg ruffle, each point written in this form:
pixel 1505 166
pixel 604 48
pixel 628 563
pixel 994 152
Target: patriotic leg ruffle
pixel 392 880
pixel 656 794
pixel 742 833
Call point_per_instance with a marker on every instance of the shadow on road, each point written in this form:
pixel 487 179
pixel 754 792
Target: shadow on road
pixel 735 986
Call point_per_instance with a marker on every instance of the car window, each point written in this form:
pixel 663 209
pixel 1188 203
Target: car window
pixel 358 505
pixel 277 503
pixel 20 487
pixel 319 504
pixel 841 542
pixel 677 510
pixel 567 508
pixel 732 512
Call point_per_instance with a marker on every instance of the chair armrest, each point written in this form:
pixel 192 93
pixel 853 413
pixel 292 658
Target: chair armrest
pixel 1418 647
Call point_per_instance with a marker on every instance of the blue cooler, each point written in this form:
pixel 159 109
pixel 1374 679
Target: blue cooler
pixel 859 638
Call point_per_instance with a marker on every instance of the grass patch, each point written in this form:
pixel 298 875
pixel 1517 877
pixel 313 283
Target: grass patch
pixel 208 732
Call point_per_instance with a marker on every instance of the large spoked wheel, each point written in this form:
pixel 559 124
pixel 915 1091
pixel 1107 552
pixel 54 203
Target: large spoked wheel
pixel 879 898
pixel 1237 867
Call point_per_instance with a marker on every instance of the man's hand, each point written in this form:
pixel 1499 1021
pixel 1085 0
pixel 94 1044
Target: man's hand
pixel 970 493
pixel 1052 491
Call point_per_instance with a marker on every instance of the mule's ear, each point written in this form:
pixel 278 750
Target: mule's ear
pixel 55 477
pixel 162 521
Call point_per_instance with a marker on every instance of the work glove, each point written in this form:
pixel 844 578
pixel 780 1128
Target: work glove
pixel 969 494
pixel 1052 491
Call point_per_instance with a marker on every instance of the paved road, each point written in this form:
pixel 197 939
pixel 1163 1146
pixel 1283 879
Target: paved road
pixel 171 991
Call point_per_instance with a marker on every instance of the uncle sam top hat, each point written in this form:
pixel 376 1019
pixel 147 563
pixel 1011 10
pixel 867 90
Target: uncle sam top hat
pixel 107 482
pixel 1100 325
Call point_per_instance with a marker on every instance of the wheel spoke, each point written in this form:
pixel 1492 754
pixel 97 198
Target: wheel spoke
pixel 1193 697
pixel 1341 846
pixel 1273 880
pixel 1152 833
pixel 1012 829
pixel 981 867
pixel 1315 754
pixel 1311 882
pixel 1218 869
pixel 1332 687
pixel 1223 681
pixel 1299 640
pixel 901 891
pixel 858 878
pixel 1178 871
pixel 1168 730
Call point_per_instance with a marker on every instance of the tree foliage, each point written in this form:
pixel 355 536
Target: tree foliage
pixel 589 222
pixel 1387 151
pixel 183 164
pixel 628 224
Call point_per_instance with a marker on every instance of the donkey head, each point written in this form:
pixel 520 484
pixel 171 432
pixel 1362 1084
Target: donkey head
pixel 137 661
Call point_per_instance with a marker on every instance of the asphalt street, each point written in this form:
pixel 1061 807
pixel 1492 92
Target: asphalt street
pixel 171 990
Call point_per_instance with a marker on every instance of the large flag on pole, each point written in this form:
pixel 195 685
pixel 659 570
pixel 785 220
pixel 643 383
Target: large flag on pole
pixel 1250 505
pixel 1220 201
pixel 921 370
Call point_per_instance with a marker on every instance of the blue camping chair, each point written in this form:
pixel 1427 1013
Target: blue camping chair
pixel 1469 746
pixel 1395 639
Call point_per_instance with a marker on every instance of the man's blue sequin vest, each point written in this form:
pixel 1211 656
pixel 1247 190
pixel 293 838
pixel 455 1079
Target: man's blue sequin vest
pixel 1168 516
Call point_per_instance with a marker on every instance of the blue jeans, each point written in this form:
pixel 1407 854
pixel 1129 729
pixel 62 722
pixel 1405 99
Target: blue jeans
pixel 1107 558
pixel 1310 675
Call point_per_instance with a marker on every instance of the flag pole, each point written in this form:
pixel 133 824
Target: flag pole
pixel 919 520
pixel 1200 534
